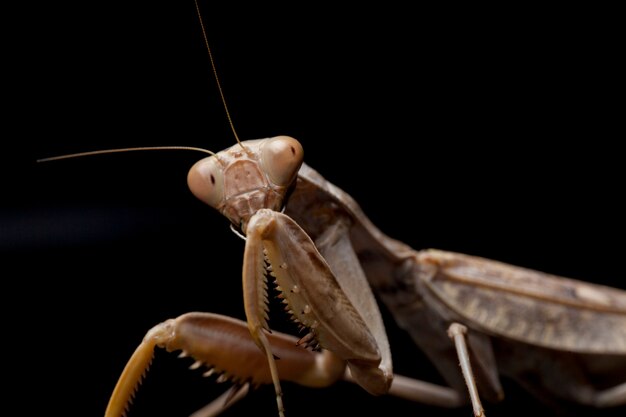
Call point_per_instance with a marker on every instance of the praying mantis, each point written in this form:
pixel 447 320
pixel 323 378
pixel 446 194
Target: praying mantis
pixel 378 156
pixel 323 284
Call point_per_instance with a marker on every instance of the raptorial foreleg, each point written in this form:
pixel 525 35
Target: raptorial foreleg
pixel 224 347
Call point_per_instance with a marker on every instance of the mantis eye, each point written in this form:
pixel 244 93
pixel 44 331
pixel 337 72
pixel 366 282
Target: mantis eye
pixel 281 158
pixel 206 181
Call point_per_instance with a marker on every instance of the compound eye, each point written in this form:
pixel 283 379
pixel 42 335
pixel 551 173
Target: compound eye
pixel 206 181
pixel 281 158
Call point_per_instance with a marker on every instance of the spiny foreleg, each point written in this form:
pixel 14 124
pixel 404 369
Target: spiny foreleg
pixel 224 347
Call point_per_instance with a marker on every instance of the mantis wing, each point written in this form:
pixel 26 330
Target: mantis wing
pixel 526 305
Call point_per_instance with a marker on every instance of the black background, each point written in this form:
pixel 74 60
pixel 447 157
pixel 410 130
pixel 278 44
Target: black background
pixel 488 132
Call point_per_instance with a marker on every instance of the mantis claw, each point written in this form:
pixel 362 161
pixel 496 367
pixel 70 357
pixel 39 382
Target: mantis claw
pixel 315 299
pixel 224 346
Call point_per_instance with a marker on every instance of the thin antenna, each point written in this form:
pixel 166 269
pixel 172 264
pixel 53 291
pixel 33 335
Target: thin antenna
pixel 217 80
pixel 143 148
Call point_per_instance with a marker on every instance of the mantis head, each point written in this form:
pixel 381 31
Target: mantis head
pixel 247 177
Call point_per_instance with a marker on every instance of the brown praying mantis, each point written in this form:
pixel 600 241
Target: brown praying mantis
pixel 325 255
pixel 426 291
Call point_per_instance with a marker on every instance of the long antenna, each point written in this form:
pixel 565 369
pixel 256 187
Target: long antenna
pixel 158 148
pixel 142 148
pixel 217 80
